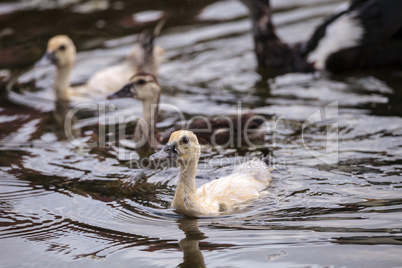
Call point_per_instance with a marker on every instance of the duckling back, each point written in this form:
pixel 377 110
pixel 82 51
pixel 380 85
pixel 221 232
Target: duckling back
pixel 247 182
pixel 144 57
pixel 111 79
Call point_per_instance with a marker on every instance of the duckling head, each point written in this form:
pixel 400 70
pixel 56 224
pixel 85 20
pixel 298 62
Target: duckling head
pixel 142 86
pixel 60 52
pixel 183 146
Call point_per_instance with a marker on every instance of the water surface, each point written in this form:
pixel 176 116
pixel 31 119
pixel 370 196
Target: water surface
pixel 76 205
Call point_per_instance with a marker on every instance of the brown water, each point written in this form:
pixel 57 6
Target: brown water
pixel 78 206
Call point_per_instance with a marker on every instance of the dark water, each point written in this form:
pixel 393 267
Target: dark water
pixel 336 193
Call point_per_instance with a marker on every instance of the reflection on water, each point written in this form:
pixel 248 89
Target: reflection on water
pixel 192 255
pixel 87 205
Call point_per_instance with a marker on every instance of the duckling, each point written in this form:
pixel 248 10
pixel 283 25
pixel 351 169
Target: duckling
pixel 61 52
pixel 144 87
pixel 366 34
pixel 220 130
pixel 246 183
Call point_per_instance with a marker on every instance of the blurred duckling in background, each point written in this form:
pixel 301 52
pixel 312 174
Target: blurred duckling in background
pixel 246 183
pixel 61 52
pixel 144 87
pixel 222 130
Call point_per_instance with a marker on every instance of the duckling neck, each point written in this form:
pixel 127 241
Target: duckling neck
pixel 186 184
pixel 62 82
pixel 145 130
pixel 149 113
pixel 188 171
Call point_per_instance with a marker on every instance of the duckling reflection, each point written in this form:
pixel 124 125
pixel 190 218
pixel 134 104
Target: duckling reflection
pixel 192 255
pixel 64 126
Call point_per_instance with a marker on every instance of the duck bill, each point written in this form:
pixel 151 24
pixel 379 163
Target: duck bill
pixel 168 152
pixel 125 92
pixel 47 59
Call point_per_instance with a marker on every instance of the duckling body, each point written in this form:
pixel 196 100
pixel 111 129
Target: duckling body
pixel 364 34
pixel 246 183
pixel 109 80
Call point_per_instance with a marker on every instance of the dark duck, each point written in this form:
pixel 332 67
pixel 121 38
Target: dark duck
pixel 363 34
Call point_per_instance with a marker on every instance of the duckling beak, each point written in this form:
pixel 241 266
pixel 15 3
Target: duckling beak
pixel 168 152
pixel 125 92
pixel 47 59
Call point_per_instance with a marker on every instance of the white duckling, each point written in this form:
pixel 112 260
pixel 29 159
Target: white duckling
pixel 61 52
pixel 246 183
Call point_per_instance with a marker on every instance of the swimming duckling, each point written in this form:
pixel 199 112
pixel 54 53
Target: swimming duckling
pixel 61 52
pixel 218 131
pixel 246 183
pixel 144 87
pixel 366 34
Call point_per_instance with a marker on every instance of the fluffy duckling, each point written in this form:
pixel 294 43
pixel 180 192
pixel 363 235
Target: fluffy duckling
pixel 363 34
pixel 144 87
pixel 246 183
pixel 218 131
pixel 61 52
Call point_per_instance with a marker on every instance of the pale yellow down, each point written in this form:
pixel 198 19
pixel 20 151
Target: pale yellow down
pixel 103 82
pixel 149 94
pixel 113 78
pixel 247 182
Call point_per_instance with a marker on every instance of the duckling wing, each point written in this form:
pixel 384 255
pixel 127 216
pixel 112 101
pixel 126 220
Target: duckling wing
pixel 245 183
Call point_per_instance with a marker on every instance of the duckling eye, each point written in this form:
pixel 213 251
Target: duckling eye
pixel 184 140
pixel 141 82
pixel 62 47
